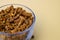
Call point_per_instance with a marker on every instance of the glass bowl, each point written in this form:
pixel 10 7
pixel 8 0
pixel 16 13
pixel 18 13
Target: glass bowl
pixel 26 34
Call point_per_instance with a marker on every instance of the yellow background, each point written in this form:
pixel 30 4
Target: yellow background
pixel 47 13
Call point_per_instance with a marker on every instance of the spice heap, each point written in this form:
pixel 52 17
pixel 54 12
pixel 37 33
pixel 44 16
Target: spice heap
pixel 15 19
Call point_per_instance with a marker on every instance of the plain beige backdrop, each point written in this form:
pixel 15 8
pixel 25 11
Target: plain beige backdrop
pixel 47 13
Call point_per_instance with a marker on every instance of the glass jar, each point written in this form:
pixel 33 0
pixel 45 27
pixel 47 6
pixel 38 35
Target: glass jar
pixel 26 34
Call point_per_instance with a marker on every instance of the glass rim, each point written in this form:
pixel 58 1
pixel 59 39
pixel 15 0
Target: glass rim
pixel 25 29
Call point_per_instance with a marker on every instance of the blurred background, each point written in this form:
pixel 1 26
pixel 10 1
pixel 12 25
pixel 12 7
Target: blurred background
pixel 47 13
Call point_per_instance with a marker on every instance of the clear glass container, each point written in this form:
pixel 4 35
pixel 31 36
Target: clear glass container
pixel 26 34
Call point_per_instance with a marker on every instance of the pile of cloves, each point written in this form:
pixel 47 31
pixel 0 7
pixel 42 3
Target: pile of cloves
pixel 15 19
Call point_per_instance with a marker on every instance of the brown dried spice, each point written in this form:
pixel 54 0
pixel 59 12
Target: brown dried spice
pixel 15 19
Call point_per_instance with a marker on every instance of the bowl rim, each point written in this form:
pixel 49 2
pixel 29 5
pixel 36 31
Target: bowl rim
pixel 7 34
